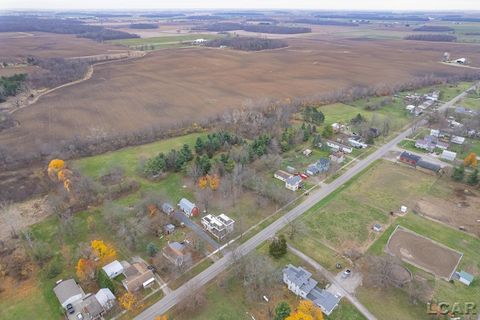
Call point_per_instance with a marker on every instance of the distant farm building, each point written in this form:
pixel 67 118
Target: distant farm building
pixel 189 208
pixel 409 158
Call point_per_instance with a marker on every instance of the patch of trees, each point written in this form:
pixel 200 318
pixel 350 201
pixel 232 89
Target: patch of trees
pixel 434 28
pixel 431 37
pixel 322 22
pixel 373 16
pixel 204 17
pixel 461 19
pixel 62 26
pixel 472 33
pixel 10 86
pixel 247 43
pixel 58 71
pixel 162 15
pixel 144 26
pixel 313 115
pixel 274 29
pixel 278 247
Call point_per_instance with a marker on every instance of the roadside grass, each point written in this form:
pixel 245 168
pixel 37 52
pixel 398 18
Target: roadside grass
pixel 470 145
pixel 471 103
pixel 227 300
pixel 163 42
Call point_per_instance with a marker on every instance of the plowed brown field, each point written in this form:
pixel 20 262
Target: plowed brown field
pixel 182 85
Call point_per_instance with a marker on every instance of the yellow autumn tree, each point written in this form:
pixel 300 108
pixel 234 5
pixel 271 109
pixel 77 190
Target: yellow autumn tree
pixel 470 160
pixel 164 317
pixel 129 301
pixel 202 182
pixel 306 310
pixel 104 252
pixel 54 166
pixel 85 269
pixel 214 182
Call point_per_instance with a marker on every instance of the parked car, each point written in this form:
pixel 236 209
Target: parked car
pixel 70 309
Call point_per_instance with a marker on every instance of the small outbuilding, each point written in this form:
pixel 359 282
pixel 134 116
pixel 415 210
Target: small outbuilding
pixel 168 208
pixel 377 227
pixel 448 155
pixel 464 277
pixel 113 269
pixel 282 175
pixel 189 208
pixel 307 152
pixel 168 229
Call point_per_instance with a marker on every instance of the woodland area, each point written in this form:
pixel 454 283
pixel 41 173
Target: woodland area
pixel 63 26
pixel 247 44
pixel 431 37
pixel 274 29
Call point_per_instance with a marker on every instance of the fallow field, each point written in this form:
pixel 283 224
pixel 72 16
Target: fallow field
pixel 178 86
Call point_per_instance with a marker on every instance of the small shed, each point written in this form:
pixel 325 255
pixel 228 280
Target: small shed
pixel 377 227
pixel 307 152
pixel 403 209
pixel 168 228
pixel 168 208
pixel 189 208
pixel 465 277
pixel 113 269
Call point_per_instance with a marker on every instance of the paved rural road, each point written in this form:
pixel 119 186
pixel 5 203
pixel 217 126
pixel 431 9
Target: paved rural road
pixel 330 277
pixel 163 305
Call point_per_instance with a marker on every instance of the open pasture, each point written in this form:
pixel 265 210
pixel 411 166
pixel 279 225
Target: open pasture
pixel 179 86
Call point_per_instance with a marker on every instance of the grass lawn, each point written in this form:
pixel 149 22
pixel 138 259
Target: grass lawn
pixel 162 42
pixel 443 290
pixel 410 145
pixel 345 219
pixel 470 145
pixel 471 103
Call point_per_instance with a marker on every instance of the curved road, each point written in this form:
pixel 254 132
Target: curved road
pixel 163 305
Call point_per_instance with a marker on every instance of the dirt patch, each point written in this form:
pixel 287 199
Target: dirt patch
pixel 22 215
pixel 21 185
pixel 423 253
pixel 462 210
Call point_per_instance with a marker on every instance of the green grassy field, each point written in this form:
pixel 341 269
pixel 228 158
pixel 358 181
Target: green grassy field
pixel 345 220
pixel 162 42
pixel 471 103
pixel 410 145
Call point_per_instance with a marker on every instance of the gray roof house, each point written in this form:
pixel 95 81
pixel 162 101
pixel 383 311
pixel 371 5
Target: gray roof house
pixel 68 291
pixel 312 170
pixel 323 164
pixel 167 208
pixel 294 183
pixel 300 282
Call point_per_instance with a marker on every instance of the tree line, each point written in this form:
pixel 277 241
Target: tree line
pixel 62 26
pixel 144 26
pixel 434 28
pixel 322 22
pixel 431 37
pixel 56 71
pixel 274 29
pixel 247 43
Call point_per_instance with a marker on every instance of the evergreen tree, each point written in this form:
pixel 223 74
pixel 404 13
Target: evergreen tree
pixel 199 146
pixel 278 247
pixel 282 311
pixel 473 178
pixel 458 173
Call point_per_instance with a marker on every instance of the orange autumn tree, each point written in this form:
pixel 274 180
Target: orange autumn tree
pixel 85 269
pixel 202 182
pixel 214 182
pixel 104 252
pixel 152 210
pixel 54 166
pixel 306 310
pixel 470 160
pixel 164 317
pixel 129 301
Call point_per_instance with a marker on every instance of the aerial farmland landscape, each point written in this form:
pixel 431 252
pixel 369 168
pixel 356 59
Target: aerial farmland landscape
pixel 239 160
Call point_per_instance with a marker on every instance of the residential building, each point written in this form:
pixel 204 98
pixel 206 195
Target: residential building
pixel 356 143
pixel 337 157
pixel 448 155
pixel 300 282
pixel 457 140
pixel 189 208
pixel 90 308
pixel 68 292
pixel 435 133
pixel 323 164
pixel 427 143
pixel 282 175
pixel 335 146
pixel 442 145
pixel 106 298
pixel 137 276
pixel 312 170
pixel 410 108
pixel 464 277
pixel 113 269
pixel 294 183
pixel 219 226
pixel 409 158
pixel 177 253
pixel 168 208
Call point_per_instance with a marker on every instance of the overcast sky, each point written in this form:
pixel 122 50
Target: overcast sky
pixel 244 4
